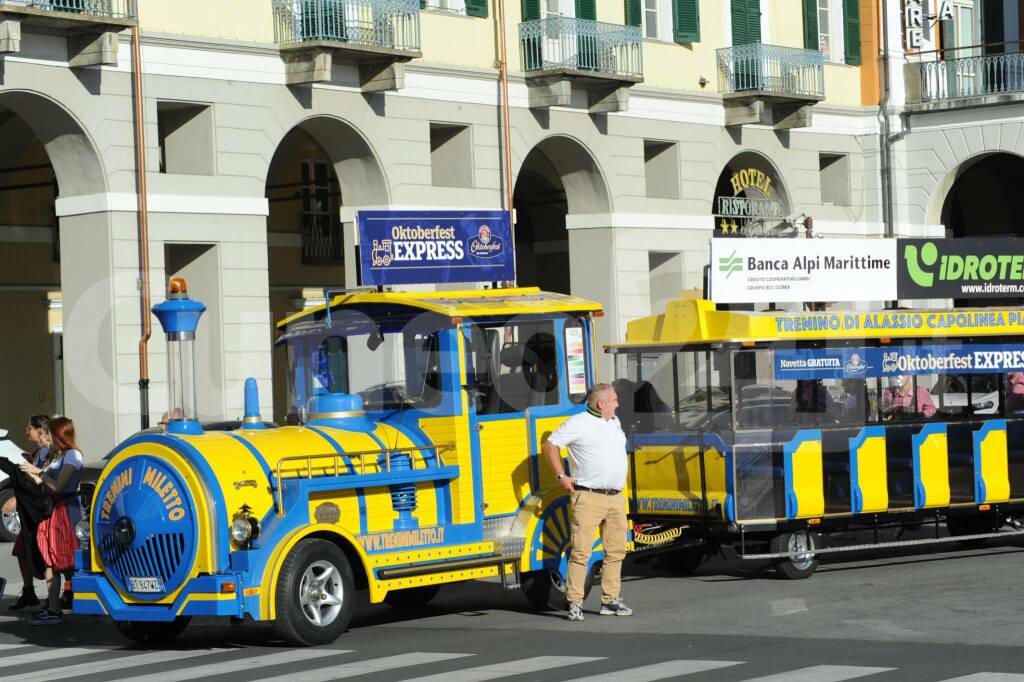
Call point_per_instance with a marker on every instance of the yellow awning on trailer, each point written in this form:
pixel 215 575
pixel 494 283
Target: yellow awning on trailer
pixel 474 303
pixel 695 321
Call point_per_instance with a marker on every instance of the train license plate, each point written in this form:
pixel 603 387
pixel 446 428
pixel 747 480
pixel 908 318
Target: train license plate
pixel 145 584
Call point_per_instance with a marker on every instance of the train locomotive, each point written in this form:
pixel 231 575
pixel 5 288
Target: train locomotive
pixel 411 461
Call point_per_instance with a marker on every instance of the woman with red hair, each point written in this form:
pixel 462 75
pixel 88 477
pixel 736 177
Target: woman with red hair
pixel 61 472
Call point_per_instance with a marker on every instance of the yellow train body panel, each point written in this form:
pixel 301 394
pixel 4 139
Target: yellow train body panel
pixel 451 436
pixel 804 466
pixel 933 468
pixel 505 464
pixel 991 448
pixel 870 471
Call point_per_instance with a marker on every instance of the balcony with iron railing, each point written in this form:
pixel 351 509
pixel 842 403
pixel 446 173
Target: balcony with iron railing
pixel 965 76
pixel 770 84
pixel 598 57
pixel 90 26
pixel 373 34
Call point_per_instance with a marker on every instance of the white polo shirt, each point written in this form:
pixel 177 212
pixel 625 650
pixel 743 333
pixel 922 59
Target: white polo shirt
pixel 597 450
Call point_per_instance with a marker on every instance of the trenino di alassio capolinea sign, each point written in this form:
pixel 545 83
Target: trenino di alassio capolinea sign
pixel 422 247
pixel 795 270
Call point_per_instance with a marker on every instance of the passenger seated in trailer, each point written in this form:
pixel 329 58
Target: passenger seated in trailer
pixel 1015 393
pixel 855 400
pixel 811 402
pixel 901 400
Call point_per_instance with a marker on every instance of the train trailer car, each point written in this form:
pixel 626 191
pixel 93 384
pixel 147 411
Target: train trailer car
pixel 412 461
pixel 770 433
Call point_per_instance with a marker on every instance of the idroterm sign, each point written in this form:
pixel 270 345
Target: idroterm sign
pixel 961 268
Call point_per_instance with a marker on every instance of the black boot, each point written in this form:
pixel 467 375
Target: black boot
pixel 27 598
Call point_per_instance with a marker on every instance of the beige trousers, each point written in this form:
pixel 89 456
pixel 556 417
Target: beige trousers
pixel 589 513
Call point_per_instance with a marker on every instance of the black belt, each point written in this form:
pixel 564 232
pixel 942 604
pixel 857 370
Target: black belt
pixel 600 491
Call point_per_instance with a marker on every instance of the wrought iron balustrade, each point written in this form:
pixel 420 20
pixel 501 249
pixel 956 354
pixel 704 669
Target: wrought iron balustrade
pixel 321 239
pixel 773 69
pixel 969 76
pixel 389 24
pixel 581 44
pixel 119 9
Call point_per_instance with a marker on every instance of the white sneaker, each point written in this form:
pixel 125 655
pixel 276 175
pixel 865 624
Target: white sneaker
pixel 576 610
pixel 615 608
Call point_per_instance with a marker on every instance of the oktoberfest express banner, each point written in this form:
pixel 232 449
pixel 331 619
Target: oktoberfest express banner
pixel 961 268
pixel 799 270
pixel 429 247
pixel 860 363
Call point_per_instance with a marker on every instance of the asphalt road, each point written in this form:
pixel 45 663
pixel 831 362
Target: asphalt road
pixel 942 614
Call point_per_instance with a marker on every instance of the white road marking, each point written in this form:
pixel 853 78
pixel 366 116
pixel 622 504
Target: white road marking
pixel 785 607
pixel 8 647
pixel 822 673
pixel 520 667
pixel 234 665
pixel 373 665
pixel 658 671
pixel 40 655
pixel 131 661
pixel 988 677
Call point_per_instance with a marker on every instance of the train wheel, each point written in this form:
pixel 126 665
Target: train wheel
pixel 545 589
pixel 315 594
pixel 971 525
pixel 681 561
pixel 413 597
pixel 802 562
pixel 152 633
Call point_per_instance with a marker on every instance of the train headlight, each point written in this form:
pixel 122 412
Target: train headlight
pixel 82 533
pixel 244 529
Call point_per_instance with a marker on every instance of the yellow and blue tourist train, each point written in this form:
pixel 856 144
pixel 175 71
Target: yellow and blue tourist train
pixel 766 431
pixel 412 461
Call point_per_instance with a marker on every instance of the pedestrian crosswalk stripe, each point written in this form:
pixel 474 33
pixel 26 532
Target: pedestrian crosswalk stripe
pixel 822 673
pixel 8 647
pixel 335 672
pixel 236 664
pixel 34 657
pixel 520 667
pixel 658 671
pixel 120 663
pixel 988 677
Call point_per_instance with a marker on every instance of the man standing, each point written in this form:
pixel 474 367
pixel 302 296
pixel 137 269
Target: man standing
pixel 597 458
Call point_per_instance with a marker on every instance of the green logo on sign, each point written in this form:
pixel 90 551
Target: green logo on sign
pixel 929 254
pixel 730 264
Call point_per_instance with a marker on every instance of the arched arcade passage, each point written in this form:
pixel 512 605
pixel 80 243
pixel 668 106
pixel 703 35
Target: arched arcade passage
pixel 558 177
pixel 320 166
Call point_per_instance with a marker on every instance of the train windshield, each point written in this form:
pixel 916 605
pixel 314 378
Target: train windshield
pixel 391 363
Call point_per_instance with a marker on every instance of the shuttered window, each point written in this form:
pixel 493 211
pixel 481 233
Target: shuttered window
pixel 811 25
pixel 686 21
pixel 851 24
pixel 633 13
pixel 586 9
pixel 531 10
pixel 476 8
pixel 746 22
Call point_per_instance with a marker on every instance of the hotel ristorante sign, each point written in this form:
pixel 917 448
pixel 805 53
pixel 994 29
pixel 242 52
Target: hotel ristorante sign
pixel 753 202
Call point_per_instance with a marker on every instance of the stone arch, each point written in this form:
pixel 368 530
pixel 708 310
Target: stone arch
pixel 977 196
pixel 75 159
pixel 557 177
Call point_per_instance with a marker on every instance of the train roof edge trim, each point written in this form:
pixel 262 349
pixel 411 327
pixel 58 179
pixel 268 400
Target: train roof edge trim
pixel 690 321
pixel 471 303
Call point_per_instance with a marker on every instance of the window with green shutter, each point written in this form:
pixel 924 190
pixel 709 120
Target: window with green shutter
pixel 746 21
pixel 811 41
pixel 476 8
pixel 531 10
pixel 686 21
pixel 633 13
pixel 851 23
pixel 586 9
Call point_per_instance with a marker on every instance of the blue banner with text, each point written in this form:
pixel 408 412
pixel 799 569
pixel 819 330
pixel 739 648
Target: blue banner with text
pixel 429 247
pixel 856 363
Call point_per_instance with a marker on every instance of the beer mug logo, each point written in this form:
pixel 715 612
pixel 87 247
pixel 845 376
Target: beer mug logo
pixel 485 234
